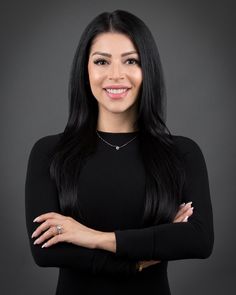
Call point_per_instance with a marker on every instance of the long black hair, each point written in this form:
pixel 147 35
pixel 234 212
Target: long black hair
pixel 163 166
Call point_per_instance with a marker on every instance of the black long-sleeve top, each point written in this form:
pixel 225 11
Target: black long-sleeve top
pixel 111 192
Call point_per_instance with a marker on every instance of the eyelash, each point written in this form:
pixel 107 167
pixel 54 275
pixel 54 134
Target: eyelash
pixel 102 60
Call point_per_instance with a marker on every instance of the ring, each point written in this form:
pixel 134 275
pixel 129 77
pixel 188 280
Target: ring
pixel 59 229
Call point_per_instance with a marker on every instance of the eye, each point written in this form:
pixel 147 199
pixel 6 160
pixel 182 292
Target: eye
pixel 99 61
pixel 132 61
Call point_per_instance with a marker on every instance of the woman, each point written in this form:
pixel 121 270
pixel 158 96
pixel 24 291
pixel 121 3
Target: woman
pixel 109 200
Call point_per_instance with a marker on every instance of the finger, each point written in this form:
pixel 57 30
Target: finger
pixel 48 215
pixel 183 216
pixel 187 216
pixel 44 226
pixel 180 212
pixel 155 261
pixel 183 209
pixel 148 263
pixel 56 239
pixel 190 212
pixel 179 219
pixel 51 232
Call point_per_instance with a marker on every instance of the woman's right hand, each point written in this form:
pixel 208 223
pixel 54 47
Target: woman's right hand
pixel 185 210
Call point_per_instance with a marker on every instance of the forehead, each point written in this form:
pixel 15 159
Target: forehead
pixel 115 42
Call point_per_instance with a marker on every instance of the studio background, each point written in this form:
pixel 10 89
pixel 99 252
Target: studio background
pixel 196 41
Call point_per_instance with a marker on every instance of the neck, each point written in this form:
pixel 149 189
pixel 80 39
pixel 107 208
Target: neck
pixel 116 123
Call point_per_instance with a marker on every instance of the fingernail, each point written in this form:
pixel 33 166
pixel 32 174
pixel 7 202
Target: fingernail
pixel 186 218
pixel 44 245
pixel 182 204
pixel 35 220
pixel 33 234
pixel 35 242
pixel 189 204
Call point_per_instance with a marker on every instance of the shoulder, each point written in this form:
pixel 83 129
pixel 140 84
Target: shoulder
pixel 43 146
pixel 187 146
pixel 193 159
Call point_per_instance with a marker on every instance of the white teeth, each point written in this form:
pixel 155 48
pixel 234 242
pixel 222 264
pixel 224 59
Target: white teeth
pixel 116 90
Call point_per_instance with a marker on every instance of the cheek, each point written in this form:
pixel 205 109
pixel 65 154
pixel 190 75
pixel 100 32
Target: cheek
pixel 135 73
pixel 137 78
pixel 96 78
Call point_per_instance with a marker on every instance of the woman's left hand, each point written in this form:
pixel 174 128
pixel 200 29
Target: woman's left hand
pixel 71 231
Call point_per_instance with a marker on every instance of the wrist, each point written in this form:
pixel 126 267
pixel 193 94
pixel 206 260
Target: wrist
pixel 106 241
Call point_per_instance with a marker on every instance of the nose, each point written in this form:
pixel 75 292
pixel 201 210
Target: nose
pixel 115 72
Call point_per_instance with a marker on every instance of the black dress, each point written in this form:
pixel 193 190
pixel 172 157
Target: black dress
pixel 112 189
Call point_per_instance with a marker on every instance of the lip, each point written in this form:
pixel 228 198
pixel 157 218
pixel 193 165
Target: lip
pixel 117 95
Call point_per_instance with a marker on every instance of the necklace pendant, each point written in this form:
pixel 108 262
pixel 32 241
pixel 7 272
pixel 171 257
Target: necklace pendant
pixel 117 147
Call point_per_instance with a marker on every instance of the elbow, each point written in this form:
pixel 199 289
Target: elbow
pixel 206 245
pixel 40 260
pixel 208 249
pixel 204 241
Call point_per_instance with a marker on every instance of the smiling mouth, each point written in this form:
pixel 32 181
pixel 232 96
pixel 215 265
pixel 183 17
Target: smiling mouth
pixel 116 90
pixel 116 93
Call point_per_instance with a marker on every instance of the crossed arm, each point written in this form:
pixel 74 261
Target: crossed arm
pixel 117 252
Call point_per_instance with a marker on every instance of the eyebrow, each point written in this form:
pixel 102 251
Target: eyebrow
pixel 109 55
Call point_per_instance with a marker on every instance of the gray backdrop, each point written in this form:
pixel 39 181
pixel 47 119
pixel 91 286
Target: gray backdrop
pixel 196 40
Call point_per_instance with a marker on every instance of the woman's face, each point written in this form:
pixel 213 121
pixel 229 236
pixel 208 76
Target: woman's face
pixel 115 75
